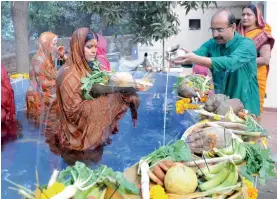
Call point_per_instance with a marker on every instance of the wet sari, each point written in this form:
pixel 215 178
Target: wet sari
pixel 84 124
pixel 41 94
pixel 260 36
pixel 9 124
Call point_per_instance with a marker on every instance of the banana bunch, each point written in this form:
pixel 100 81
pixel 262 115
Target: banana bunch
pixel 235 147
pixel 218 177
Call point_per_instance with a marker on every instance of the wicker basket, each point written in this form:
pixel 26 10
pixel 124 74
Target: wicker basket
pixel 131 175
pixel 189 131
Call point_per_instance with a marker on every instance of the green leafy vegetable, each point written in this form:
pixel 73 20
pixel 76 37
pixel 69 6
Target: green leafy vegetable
pixel 96 192
pixel 179 81
pixel 198 82
pixel 179 151
pixel 258 161
pixel 253 126
pixel 96 77
pixel 103 175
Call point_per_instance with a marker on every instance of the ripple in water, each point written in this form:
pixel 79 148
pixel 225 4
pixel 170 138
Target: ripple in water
pixel 5 174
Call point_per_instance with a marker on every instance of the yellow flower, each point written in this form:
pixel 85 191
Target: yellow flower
pixel 251 142
pixel 179 105
pixel 252 193
pixel 190 84
pixel 53 190
pixel 264 140
pixel 203 99
pixel 247 183
pixel 186 100
pixel 157 192
pixel 106 79
pixel 216 117
pixel 180 110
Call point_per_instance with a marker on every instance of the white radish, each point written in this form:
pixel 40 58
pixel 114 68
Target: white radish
pixel 53 178
pixel 67 193
pixel 71 190
pixel 145 180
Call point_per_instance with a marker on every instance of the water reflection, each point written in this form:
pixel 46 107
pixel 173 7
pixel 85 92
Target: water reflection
pixel 119 152
pixel 5 133
pixel 89 157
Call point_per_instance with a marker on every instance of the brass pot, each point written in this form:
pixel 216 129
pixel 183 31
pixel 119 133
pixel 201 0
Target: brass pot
pixel 174 52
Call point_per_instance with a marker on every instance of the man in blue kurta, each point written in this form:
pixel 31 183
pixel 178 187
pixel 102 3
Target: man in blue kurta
pixel 232 60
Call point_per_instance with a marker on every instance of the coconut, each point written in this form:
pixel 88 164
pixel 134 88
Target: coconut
pixel 122 79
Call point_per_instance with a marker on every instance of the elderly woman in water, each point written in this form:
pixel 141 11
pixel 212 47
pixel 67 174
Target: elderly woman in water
pixel 86 124
pixel 41 94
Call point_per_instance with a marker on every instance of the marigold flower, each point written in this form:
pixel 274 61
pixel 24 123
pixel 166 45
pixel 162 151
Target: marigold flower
pixel 52 191
pixel 157 192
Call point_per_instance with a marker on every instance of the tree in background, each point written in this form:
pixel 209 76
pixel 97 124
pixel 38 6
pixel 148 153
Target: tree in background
pixel 6 20
pixel 60 17
pixel 19 10
pixel 147 20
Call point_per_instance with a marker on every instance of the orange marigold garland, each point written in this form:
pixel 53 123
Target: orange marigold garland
pixel 184 104
pixel 252 191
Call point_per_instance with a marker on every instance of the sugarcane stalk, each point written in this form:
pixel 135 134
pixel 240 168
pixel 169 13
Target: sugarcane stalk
pixel 214 160
pixel 20 187
pixel 236 195
pixel 206 193
pixel 206 113
pixel 23 193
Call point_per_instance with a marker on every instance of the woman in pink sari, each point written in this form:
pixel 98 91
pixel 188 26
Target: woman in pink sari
pixel 101 54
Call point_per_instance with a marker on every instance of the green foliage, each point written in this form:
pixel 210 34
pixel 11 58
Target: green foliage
pixel 61 17
pixel 178 151
pixel 147 20
pixel 194 5
pixel 258 161
pixel 6 20
pixel 153 20
pixel 111 12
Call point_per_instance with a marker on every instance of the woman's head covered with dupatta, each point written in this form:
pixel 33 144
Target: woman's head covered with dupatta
pixel 82 39
pixel 47 44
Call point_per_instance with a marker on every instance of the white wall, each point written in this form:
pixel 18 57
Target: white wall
pixel 270 16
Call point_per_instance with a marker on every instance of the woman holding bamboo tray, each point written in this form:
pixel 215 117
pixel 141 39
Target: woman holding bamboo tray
pixel 86 124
